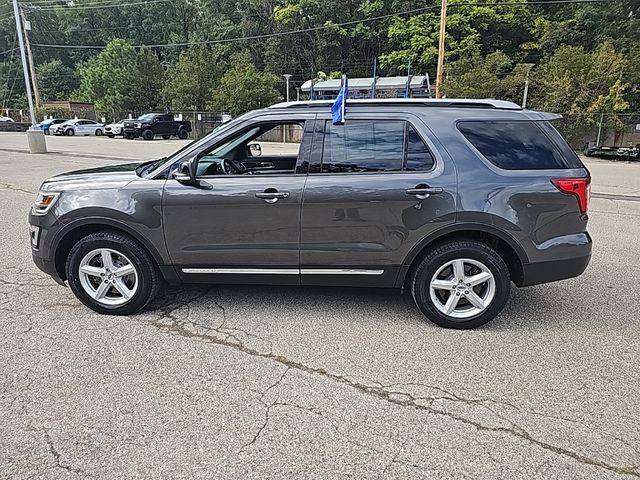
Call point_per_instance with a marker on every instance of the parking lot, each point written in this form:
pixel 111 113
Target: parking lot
pixel 285 382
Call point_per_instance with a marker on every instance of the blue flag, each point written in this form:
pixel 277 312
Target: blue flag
pixel 337 109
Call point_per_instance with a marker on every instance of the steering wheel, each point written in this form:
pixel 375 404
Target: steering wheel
pixel 230 168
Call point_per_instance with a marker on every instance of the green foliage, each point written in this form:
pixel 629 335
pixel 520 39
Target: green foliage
pixel 471 30
pixel 244 88
pixel 571 79
pixel 493 76
pixel 610 105
pixel 192 79
pixel 56 81
pixel 579 50
pixel 119 80
pixel 109 80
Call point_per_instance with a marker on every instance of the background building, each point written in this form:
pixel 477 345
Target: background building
pixel 385 87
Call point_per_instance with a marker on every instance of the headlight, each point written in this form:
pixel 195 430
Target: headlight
pixel 138 125
pixel 44 202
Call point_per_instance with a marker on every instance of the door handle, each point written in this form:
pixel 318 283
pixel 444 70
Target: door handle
pixel 424 191
pixel 271 195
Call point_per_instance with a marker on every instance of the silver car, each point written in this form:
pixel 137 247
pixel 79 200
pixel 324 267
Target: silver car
pixel 78 127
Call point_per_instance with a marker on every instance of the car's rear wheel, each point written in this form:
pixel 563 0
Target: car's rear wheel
pixel 166 137
pixel 98 133
pixel 461 284
pixel 112 273
pixel 70 132
pixel 148 135
pixel 183 134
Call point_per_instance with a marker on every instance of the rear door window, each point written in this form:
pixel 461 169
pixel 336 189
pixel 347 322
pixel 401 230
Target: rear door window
pixel 513 145
pixel 374 146
pixel 363 146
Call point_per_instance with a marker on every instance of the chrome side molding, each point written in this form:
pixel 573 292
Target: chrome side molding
pixel 284 271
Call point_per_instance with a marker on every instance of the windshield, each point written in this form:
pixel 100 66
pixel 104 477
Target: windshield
pixel 146 117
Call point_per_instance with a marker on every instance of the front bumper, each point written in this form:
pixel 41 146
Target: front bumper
pixel 42 232
pixel 132 132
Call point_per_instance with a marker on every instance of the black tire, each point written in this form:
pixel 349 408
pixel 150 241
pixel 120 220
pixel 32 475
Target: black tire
pixel 110 135
pixel 430 263
pixel 182 134
pixel 70 132
pixel 128 136
pixel 98 133
pixel 166 137
pixel 148 135
pixel 149 278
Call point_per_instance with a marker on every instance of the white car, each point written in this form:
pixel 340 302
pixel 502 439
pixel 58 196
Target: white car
pixel 6 119
pixel 113 129
pixel 78 127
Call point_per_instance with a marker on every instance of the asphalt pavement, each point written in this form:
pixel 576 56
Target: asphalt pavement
pixel 256 382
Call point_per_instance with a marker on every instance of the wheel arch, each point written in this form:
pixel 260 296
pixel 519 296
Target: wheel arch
pixel 504 244
pixel 79 229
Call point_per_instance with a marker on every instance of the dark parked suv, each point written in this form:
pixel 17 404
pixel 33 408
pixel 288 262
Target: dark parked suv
pixel 451 200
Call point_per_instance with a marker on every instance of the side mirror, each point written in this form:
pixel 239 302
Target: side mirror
pixel 255 150
pixel 186 173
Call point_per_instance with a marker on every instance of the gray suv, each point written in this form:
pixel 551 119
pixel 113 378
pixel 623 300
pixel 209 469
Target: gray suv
pixel 451 200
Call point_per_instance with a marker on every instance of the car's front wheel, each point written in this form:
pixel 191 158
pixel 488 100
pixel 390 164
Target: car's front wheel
pixel 70 132
pixel 148 135
pixel 112 273
pixel 461 284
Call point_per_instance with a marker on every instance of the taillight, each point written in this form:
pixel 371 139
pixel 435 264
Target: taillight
pixel 580 187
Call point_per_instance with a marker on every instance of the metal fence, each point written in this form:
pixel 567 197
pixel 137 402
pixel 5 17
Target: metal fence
pixel 615 130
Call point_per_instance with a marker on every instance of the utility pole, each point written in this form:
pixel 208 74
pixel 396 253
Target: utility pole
pixel 443 29
pixel 375 77
pixel 35 136
pixel 287 77
pixel 298 94
pixel 526 85
pixel 27 28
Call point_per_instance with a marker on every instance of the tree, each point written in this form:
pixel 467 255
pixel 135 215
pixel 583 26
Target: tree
pixel 192 79
pixel 572 79
pixel 493 76
pixel 150 75
pixel 56 81
pixel 471 30
pixel 243 88
pixel 110 79
pixel 606 109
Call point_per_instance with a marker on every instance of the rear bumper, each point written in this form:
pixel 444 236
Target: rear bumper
pixel 545 272
pixel 558 258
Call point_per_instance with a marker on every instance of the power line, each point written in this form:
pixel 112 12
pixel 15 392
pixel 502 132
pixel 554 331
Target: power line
pixel 329 26
pixel 95 5
pixel 9 51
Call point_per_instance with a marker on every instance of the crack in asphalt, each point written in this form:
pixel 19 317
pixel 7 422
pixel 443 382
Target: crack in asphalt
pixel 401 399
pixel 54 452
pixel 8 186
pixel 267 409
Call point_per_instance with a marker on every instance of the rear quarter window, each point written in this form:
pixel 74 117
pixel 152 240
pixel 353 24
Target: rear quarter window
pixel 515 145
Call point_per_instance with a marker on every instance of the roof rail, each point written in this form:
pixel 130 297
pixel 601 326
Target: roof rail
pixel 425 102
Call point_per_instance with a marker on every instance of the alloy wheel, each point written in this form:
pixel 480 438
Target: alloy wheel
pixel 108 277
pixel 462 288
